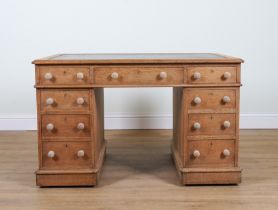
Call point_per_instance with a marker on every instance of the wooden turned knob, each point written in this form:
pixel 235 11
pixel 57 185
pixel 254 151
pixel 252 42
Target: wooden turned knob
pixel 51 154
pixel 196 153
pixel 226 99
pixel 49 101
pixel 80 101
pixel 114 75
pixel 49 126
pixel 48 76
pixel 197 100
pixel 226 152
pixel 163 75
pixel 81 153
pixel 80 75
pixel 197 75
pixel 227 124
pixel 227 75
pixel 80 126
pixel 197 125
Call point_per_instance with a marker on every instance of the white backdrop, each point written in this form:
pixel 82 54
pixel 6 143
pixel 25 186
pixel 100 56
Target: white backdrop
pixel 244 28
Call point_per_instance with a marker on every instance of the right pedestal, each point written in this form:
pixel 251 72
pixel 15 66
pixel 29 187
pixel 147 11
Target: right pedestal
pixel 206 134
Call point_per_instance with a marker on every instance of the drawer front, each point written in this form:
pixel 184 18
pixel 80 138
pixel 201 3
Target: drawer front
pixel 211 124
pixel 69 75
pixel 65 100
pixel 210 99
pixel 73 126
pixel 66 155
pixel 212 74
pixel 207 153
pixel 138 75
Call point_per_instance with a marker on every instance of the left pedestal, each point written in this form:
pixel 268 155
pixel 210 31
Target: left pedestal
pixel 71 141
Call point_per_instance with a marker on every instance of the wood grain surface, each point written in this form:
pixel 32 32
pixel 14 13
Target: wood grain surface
pixel 61 118
pixel 139 174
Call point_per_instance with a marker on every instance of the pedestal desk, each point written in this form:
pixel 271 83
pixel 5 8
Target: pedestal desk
pixel 70 113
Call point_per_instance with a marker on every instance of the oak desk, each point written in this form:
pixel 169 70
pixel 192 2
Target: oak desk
pixel 71 114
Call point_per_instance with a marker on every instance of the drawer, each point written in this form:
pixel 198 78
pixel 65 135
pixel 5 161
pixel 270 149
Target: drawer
pixel 64 75
pixel 212 74
pixel 210 99
pixel 73 126
pixel 65 100
pixel 138 75
pixel 211 124
pixel 206 153
pixel 66 155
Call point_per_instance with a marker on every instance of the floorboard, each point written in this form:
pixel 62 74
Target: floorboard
pixel 139 174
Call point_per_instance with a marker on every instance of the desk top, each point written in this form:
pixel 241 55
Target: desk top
pixel 137 58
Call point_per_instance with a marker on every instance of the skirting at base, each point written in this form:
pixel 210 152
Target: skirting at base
pixel 68 179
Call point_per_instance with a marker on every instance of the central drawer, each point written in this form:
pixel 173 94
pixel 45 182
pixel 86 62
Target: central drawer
pixel 67 125
pixel 123 75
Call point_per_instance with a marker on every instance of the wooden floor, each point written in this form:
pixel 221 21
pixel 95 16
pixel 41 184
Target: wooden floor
pixel 139 174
